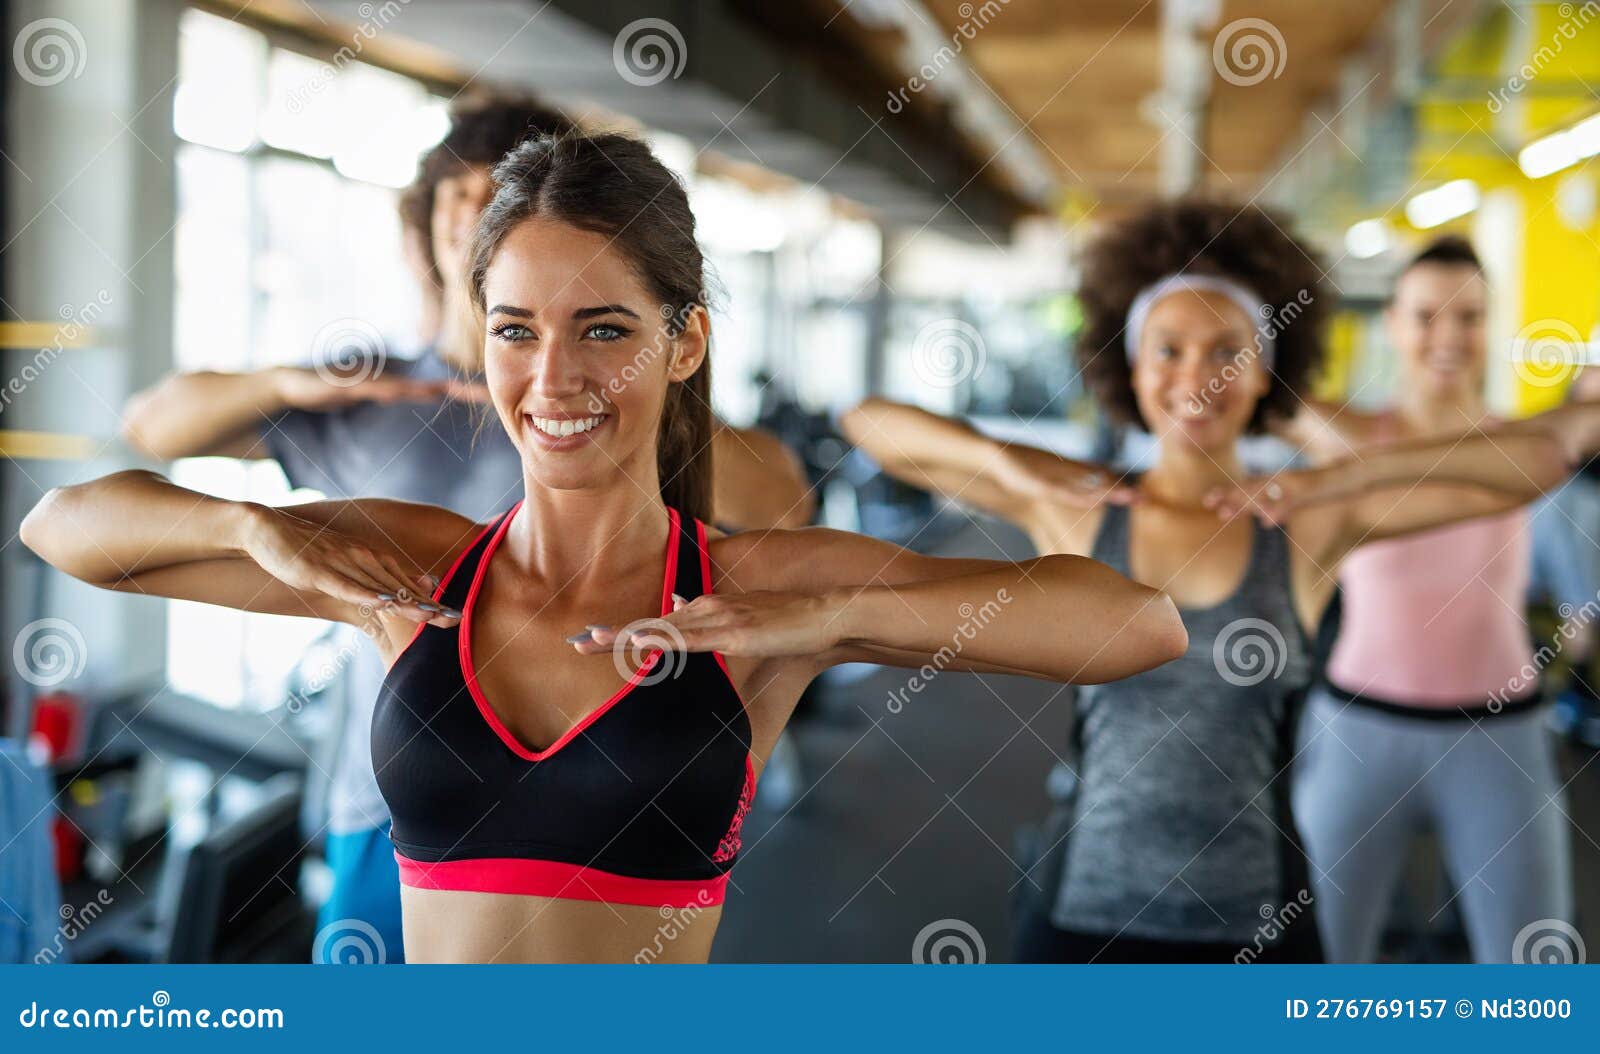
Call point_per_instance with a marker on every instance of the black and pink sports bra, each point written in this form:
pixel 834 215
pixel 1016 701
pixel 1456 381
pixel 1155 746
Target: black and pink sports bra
pixel 640 803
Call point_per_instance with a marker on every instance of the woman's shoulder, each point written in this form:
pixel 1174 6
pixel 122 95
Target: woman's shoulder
pixel 432 535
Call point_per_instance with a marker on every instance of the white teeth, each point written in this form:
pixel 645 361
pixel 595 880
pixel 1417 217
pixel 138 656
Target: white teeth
pixel 560 427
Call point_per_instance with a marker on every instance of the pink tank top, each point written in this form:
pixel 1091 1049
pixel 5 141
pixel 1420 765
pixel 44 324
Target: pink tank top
pixel 1436 619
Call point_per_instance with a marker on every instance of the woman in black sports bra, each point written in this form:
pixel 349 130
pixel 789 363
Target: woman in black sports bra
pixel 581 692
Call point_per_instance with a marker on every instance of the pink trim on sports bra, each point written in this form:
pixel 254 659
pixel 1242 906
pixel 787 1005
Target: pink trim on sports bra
pixel 548 878
pixel 469 671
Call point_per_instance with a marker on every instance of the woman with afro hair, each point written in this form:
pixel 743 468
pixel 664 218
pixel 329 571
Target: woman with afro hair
pixel 1203 325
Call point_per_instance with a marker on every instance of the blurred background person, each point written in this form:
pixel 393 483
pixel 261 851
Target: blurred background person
pixel 1181 844
pixel 1432 714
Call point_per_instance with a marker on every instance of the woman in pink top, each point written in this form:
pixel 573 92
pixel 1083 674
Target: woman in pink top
pixel 1430 716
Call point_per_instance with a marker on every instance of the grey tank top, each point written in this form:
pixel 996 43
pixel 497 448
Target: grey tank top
pixel 1181 828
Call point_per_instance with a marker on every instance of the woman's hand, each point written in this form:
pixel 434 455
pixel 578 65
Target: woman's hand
pixel 313 557
pixel 759 625
pixel 1273 499
pixel 1037 474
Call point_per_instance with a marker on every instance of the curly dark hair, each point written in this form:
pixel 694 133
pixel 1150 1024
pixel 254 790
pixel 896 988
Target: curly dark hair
pixel 482 131
pixel 1247 244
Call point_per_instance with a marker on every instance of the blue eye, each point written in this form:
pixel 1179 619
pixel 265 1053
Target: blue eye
pixel 606 332
pixel 512 332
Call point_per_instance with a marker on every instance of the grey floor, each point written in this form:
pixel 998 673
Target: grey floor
pixel 909 819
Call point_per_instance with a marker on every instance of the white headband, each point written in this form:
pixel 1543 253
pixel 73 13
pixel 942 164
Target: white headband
pixel 1244 299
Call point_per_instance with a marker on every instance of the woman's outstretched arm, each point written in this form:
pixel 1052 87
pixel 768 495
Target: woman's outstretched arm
pixel 138 532
pixel 837 597
pixel 1409 487
pixel 952 458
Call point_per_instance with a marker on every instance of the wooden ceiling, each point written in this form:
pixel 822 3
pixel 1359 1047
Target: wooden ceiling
pixel 1079 75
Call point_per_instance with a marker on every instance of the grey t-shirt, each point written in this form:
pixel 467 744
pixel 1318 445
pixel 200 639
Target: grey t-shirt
pixel 425 452
pixel 1181 816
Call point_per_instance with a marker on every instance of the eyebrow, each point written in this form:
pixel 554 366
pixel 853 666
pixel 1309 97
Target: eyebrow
pixel 604 309
pixel 580 314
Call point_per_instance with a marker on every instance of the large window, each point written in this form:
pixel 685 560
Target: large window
pixel 287 177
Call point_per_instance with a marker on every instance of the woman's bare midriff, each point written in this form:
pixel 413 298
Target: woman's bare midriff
pixel 445 926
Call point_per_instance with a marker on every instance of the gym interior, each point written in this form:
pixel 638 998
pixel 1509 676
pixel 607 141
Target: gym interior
pixel 897 202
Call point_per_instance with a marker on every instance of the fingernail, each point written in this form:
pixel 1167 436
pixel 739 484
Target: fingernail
pixel 678 600
pixel 385 596
pixel 578 638
pixel 428 607
pixel 452 612
pixel 598 629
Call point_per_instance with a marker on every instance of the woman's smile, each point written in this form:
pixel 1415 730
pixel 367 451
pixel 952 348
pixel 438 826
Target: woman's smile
pixel 557 431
